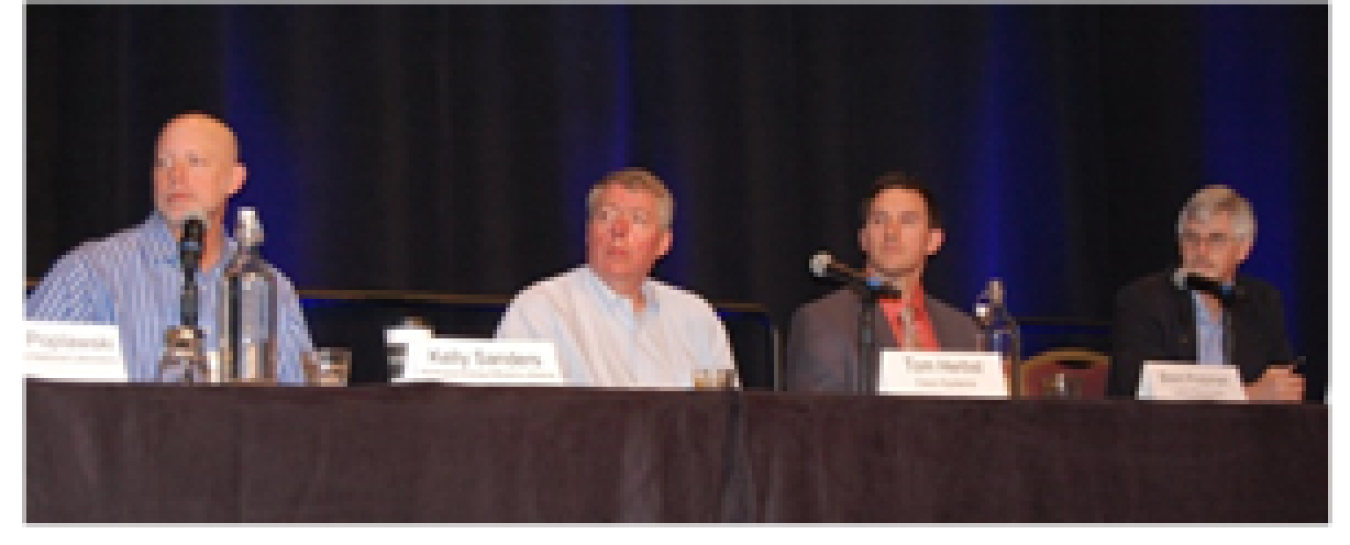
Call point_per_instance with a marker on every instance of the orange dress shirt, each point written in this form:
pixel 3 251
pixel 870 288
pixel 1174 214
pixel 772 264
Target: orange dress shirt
pixel 922 335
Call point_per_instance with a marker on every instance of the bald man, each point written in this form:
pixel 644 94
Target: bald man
pixel 133 279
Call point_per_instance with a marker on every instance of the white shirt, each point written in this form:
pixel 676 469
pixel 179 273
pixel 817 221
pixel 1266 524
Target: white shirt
pixel 600 340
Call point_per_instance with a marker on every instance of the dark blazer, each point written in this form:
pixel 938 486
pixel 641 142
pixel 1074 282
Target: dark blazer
pixel 1156 321
pixel 822 349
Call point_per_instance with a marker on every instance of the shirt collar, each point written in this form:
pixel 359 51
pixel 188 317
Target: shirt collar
pixel 1203 316
pixel 164 247
pixel 915 301
pixel 613 299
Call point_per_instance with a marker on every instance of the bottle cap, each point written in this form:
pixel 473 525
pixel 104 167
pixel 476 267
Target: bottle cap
pixel 995 291
pixel 249 228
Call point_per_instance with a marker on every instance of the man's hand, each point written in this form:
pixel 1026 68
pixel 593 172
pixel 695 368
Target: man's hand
pixel 1278 383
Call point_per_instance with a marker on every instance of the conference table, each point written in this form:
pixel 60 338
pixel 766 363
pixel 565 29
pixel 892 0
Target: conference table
pixel 437 453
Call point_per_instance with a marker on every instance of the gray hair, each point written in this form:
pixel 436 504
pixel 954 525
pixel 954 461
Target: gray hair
pixel 1215 199
pixel 636 179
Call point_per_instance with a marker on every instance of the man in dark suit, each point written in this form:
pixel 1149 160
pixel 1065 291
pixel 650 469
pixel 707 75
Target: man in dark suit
pixel 1157 320
pixel 901 229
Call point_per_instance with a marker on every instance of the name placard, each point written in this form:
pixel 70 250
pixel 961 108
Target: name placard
pixel 942 374
pixel 1189 382
pixel 481 361
pixel 73 351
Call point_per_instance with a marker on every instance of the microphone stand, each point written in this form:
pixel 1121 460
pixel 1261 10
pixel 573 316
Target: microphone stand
pixel 184 356
pixel 190 250
pixel 864 374
pixel 189 305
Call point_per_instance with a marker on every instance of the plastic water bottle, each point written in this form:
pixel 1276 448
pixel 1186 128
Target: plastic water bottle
pixel 998 332
pixel 248 309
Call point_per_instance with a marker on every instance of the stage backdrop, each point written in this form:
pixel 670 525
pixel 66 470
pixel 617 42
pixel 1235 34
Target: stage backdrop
pixel 448 148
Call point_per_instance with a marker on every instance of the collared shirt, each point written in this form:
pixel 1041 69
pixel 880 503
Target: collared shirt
pixel 133 280
pixel 601 341
pixel 1208 333
pixel 910 322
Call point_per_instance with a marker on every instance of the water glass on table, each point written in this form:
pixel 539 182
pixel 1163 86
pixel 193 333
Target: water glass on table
pixel 327 366
pixel 712 378
pixel 1062 386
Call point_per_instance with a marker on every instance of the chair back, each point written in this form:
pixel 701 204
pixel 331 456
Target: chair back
pixel 1065 372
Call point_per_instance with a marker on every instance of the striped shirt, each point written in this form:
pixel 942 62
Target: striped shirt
pixel 601 342
pixel 133 280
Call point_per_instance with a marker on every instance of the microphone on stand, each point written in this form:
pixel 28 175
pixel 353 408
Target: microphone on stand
pixel 863 376
pixel 190 254
pixel 824 265
pixel 184 359
pixel 1227 295
pixel 1186 280
pixel 190 246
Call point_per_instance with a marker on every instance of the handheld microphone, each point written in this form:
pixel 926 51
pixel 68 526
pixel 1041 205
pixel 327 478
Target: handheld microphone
pixel 1185 280
pixel 824 265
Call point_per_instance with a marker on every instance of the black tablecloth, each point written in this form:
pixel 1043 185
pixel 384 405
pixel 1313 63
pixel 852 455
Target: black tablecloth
pixel 435 453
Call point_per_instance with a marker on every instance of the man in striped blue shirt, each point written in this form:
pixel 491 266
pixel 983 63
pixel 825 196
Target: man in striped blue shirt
pixel 133 279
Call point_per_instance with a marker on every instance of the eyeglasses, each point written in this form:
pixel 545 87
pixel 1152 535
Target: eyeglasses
pixel 1212 239
pixel 639 218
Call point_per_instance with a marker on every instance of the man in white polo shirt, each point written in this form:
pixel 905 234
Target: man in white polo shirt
pixel 612 325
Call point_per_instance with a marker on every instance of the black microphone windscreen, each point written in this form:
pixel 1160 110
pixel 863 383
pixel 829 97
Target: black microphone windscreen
pixel 1226 295
pixel 193 228
pixel 191 244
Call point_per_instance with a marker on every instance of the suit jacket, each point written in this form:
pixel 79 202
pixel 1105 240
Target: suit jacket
pixel 1155 320
pixel 822 350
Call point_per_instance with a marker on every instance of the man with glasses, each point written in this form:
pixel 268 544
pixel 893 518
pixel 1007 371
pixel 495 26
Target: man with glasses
pixel 613 326
pixel 1158 319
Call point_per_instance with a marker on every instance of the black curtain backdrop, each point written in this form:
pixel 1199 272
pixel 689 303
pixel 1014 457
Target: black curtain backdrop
pixel 448 148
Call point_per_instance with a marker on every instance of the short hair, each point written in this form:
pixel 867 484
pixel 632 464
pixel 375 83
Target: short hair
pixel 900 180
pixel 636 179
pixel 1214 199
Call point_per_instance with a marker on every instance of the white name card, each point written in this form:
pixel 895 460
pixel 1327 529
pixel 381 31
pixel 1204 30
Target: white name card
pixel 1190 382
pixel 405 335
pixel 486 361
pixel 942 374
pixel 73 351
